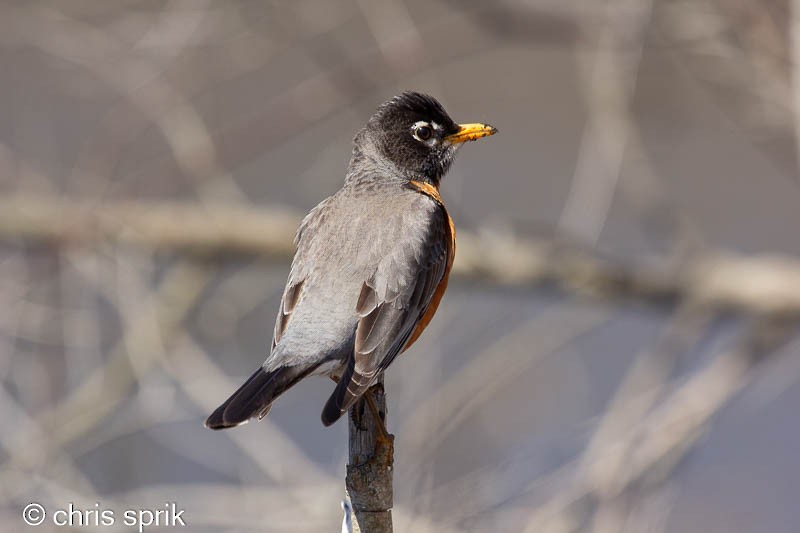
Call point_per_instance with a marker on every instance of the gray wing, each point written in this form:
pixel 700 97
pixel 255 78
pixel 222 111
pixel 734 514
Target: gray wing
pixel 391 303
pixel 255 396
pixel 299 270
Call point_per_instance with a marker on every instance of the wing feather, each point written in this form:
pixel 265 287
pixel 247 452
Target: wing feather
pixel 391 304
pixel 291 295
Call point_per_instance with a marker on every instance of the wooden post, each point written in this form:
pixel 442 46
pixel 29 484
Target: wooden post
pixel 369 468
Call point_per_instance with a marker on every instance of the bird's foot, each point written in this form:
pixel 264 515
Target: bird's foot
pixel 383 436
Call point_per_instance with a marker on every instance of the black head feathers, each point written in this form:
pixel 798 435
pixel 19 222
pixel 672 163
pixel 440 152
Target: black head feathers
pixel 408 133
pixel 412 105
pixel 411 137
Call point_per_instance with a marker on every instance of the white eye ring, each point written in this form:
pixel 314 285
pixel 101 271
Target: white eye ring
pixel 422 131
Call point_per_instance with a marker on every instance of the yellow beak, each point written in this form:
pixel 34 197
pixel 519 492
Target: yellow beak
pixel 470 132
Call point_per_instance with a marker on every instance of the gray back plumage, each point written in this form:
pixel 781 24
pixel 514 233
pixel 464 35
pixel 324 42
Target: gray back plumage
pixel 379 232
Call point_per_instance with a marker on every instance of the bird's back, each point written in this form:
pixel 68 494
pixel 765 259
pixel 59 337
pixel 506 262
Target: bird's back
pixel 340 245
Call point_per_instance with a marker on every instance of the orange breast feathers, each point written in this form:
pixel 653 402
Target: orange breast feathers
pixel 429 190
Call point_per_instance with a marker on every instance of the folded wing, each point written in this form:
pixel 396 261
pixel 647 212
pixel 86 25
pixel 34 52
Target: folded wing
pixel 395 300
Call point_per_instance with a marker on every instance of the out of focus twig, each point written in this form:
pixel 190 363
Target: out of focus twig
pixel 711 279
pixel 83 408
pixel 610 80
pixel 647 452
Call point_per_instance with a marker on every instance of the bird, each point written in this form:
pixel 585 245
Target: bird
pixel 371 263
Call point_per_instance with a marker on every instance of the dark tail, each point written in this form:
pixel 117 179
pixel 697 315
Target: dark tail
pixel 347 392
pixel 255 397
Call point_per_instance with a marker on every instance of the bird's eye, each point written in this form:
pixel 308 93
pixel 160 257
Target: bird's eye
pixel 423 131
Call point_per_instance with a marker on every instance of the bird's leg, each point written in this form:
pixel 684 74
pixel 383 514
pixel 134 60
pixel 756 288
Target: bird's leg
pixel 383 435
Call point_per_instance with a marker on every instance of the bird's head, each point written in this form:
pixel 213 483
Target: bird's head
pixel 413 134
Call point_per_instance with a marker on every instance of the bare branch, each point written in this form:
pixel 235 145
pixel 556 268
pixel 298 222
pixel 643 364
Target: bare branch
pixel 712 279
pixel 370 467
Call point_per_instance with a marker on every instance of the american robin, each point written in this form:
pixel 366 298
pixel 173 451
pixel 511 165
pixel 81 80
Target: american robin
pixel 371 264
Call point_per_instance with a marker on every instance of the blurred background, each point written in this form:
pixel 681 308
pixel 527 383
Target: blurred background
pixel 618 348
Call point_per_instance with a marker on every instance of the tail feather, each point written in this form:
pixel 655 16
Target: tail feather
pixel 255 397
pixel 344 395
